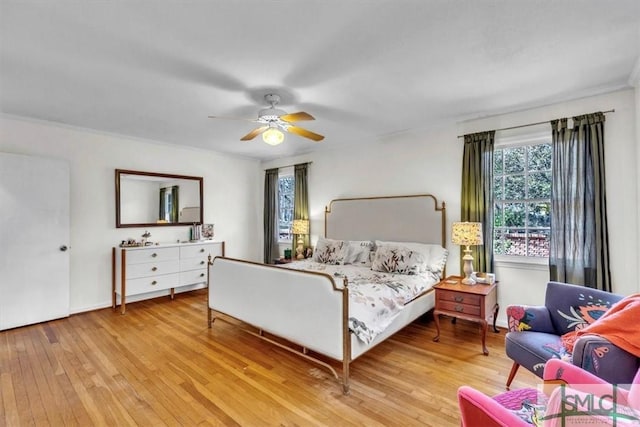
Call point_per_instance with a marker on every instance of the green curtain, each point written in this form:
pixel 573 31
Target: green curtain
pixel 172 194
pixel 163 198
pixel 300 200
pixel 175 205
pixel 271 249
pixel 477 195
pixel 579 243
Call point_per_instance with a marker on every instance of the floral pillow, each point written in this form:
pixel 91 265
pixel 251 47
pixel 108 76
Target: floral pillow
pixel 359 252
pixel 398 259
pixel 435 256
pixel 330 251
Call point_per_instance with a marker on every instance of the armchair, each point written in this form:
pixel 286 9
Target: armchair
pixel 564 406
pixel 535 334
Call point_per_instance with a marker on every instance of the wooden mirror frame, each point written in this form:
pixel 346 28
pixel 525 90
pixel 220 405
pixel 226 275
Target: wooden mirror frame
pixel 118 175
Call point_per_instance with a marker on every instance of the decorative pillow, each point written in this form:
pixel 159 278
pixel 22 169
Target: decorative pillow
pixel 359 252
pixel 330 251
pixel 435 255
pixel 398 259
pixel 437 259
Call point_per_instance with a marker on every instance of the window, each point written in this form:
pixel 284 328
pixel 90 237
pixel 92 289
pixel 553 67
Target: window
pixel 522 200
pixel 286 185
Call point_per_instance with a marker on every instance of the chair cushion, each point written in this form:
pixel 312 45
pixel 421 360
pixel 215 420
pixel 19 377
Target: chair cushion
pixel 533 349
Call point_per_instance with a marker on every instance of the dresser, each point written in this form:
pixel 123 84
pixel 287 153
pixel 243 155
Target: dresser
pixel 476 303
pixel 150 271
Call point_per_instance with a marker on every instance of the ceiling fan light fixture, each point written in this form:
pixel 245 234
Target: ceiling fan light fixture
pixel 273 136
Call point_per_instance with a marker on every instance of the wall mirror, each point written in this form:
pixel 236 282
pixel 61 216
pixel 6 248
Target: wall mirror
pixel 149 199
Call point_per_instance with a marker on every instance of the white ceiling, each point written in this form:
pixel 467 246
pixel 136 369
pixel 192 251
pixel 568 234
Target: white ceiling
pixel 366 69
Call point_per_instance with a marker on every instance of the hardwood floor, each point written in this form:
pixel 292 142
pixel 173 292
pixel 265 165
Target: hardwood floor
pixel 160 365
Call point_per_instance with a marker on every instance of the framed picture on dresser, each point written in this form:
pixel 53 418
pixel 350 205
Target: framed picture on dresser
pixel 207 232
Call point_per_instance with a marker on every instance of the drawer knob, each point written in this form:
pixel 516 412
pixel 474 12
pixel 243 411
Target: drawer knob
pixel 201 249
pixel 153 255
pixel 459 298
pixel 154 283
pixel 154 269
pixel 201 274
pixel 459 308
pixel 202 262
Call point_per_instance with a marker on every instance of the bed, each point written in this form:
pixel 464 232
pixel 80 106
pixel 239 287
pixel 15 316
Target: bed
pixel 317 304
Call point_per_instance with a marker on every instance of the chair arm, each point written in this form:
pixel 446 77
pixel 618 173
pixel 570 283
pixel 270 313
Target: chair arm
pixel 601 357
pixel 558 369
pixel 478 409
pixel 529 318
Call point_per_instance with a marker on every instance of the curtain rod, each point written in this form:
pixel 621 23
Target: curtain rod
pixel 535 124
pixel 289 166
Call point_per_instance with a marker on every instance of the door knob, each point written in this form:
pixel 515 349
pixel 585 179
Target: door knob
pixel 63 248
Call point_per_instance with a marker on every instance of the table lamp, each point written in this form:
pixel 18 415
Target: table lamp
pixel 301 228
pixel 467 234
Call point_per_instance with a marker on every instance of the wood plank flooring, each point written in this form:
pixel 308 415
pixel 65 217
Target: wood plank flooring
pixel 160 365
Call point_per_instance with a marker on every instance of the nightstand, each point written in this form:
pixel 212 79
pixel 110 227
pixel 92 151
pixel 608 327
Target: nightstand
pixel 476 303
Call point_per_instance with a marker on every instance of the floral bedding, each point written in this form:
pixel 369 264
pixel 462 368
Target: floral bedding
pixel 375 298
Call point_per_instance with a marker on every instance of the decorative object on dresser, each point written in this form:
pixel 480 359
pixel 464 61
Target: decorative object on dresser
pixel 301 228
pixel 143 271
pixel 207 231
pixel 461 301
pixel 467 234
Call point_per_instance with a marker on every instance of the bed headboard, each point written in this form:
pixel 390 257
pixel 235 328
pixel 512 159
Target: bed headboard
pixel 412 218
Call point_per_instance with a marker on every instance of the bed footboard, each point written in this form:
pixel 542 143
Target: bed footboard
pixel 306 308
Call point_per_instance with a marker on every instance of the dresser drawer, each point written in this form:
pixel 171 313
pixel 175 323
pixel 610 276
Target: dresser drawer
pixel 456 307
pixel 151 284
pixel 152 255
pixel 193 277
pixel 187 264
pixel 203 250
pixel 152 269
pixel 459 297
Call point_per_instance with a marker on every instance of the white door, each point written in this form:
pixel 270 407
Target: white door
pixel 34 240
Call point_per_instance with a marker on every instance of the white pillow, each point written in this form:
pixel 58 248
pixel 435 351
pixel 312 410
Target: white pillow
pixel 329 251
pixel 437 260
pixel 398 259
pixel 435 255
pixel 359 252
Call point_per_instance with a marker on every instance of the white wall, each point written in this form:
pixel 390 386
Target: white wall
pixel 430 162
pixel 231 187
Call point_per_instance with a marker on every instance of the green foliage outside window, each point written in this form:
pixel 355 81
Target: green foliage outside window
pixel 522 195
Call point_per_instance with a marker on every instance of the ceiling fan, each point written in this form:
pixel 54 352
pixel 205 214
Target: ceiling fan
pixel 273 121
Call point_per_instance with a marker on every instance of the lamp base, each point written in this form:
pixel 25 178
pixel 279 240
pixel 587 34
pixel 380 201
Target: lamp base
pixel 468 267
pixel 300 249
pixel 468 281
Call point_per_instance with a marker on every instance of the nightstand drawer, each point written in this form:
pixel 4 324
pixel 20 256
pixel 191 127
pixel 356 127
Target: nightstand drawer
pixel 459 297
pixel 456 307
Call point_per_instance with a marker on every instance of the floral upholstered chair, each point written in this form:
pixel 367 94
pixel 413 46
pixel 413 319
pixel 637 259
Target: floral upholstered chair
pixel 535 334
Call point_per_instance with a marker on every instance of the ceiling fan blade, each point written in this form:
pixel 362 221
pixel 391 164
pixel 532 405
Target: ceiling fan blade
pixel 232 118
pixel 296 117
pixel 254 133
pixel 306 133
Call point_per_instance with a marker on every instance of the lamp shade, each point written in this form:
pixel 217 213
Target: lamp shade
pixel 467 233
pixel 300 226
